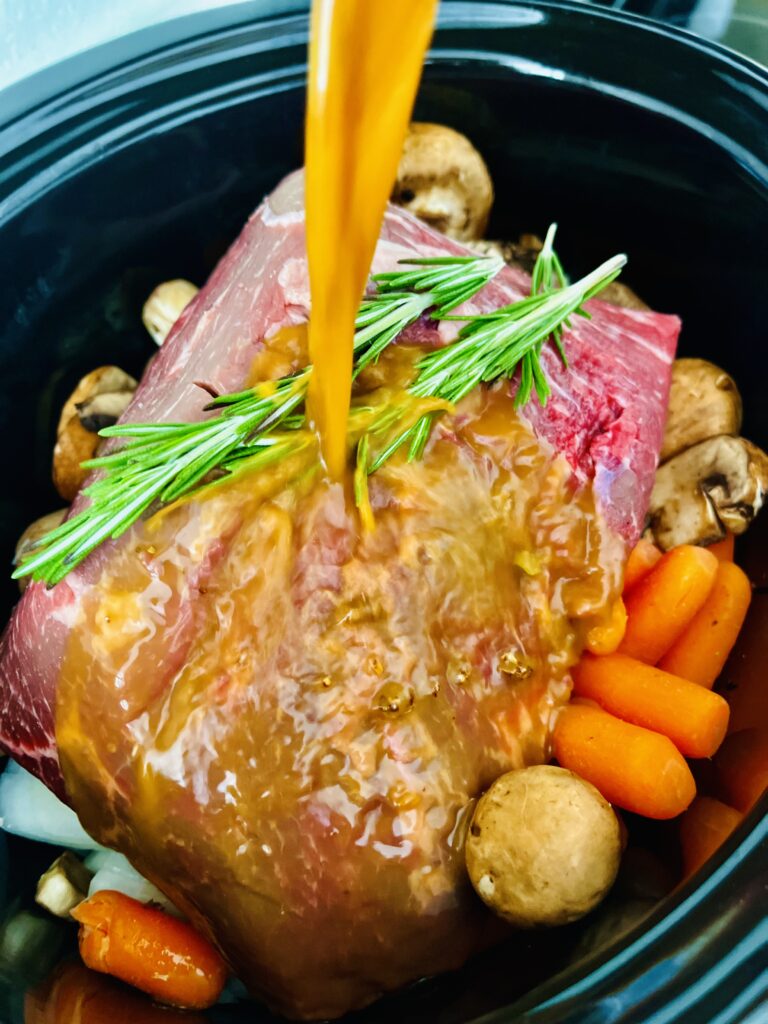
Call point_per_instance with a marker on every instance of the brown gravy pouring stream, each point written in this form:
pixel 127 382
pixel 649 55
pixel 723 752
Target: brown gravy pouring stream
pixel 365 61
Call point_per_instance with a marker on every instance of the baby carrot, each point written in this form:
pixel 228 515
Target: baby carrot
pixel 75 995
pixel 723 549
pixel 695 719
pixel 703 828
pixel 701 651
pixel 605 638
pixel 634 768
pixel 149 949
pixel 662 604
pixel 742 768
pixel 642 558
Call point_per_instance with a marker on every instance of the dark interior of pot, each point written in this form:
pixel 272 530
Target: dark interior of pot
pixel 686 200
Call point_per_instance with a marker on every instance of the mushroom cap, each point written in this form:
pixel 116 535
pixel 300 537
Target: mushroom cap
pixel 34 532
pixel 543 848
pixel 522 253
pixel 443 180
pixel 165 305
pixel 714 486
pixel 620 294
pixel 103 380
pixel 98 400
pixel 703 402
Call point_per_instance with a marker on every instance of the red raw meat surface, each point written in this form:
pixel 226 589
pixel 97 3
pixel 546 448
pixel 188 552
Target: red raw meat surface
pixel 606 416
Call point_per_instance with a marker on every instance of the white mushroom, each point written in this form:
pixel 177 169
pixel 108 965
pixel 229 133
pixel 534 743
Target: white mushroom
pixel 543 847
pixel 520 254
pixel 165 305
pixel 714 486
pixel 523 253
pixel 443 180
pixel 34 532
pixel 703 402
pixel 98 401
pixel 64 885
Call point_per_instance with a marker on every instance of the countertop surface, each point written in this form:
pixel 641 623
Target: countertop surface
pixel 38 33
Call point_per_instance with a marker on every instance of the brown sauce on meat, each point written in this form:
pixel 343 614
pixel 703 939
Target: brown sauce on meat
pixel 283 719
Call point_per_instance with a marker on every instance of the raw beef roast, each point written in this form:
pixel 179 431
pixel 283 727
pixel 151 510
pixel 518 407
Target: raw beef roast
pixel 282 718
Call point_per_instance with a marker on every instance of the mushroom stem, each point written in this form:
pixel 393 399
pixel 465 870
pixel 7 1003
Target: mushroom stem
pixel 711 487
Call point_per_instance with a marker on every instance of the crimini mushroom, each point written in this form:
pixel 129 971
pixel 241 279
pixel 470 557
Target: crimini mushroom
pixel 714 486
pixel 620 294
pixel 443 180
pixel 165 305
pixel 543 847
pixel 98 401
pixel 34 532
pixel 64 885
pixel 703 402
pixel 523 253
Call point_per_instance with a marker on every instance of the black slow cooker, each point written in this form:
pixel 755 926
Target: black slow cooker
pixel 139 161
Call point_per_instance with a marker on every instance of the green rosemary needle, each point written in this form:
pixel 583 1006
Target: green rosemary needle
pixel 494 345
pixel 163 462
pixel 440 284
pixel 548 275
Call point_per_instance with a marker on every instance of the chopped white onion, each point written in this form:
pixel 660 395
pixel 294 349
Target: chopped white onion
pixel 114 871
pixel 28 808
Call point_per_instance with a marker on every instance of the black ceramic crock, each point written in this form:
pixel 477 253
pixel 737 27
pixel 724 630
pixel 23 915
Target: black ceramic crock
pixel 140 160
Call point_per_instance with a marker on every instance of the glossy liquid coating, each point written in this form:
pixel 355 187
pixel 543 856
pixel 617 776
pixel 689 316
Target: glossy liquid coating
pixel 284 721
pixel 365 62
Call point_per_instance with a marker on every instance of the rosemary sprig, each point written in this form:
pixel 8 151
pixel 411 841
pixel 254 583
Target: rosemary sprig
pixel 163 462
pixel 440 284
pixel 494 345
pixel 548 274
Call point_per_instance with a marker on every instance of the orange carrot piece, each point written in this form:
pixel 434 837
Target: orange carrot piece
pixel 605 638
pixel 642 558
pixel 662 604
pixel 742 768
pixel 703 648
pixel 695 719
pixel 149 949
pixel 703 828
pixel 634 768
pixel 723 549
pixel 75 995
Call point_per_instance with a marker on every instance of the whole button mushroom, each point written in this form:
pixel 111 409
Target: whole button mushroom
pixel 543 848
pixel 703 402
pixel 34 533
pixel 165 305
pixel 443 180
pixel 716 485
pixel 98 401
pixel 710 481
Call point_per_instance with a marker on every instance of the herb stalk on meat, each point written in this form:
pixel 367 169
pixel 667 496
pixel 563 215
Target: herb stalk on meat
pixel 164 462
pixel 494 345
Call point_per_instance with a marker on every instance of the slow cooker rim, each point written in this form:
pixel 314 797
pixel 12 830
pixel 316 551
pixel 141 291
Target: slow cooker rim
pixel 183 39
